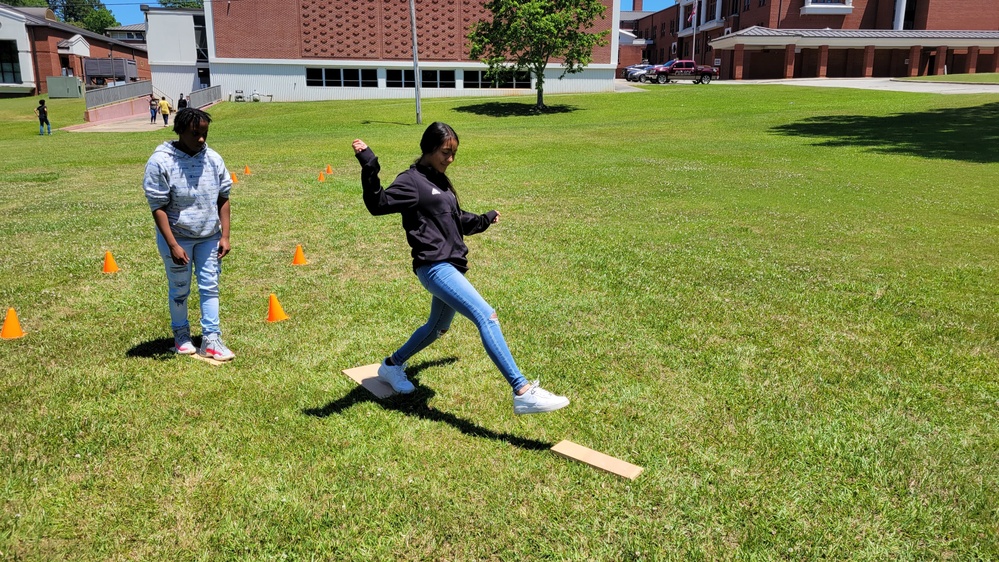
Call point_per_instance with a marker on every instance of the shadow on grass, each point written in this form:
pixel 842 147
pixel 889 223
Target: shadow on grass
pixel 417 405
pixel 158 349
pixel 513 109
pixel 967 134
pixel 369 122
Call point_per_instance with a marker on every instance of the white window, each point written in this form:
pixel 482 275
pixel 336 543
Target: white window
pixel 827 7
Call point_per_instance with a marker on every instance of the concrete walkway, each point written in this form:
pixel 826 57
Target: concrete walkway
pixel 134 124
pixel 885 84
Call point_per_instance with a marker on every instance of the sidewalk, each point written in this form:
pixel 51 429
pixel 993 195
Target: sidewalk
pixel 133 124
pixel 884 84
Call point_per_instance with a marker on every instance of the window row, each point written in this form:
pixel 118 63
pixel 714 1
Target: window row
pixel 397 78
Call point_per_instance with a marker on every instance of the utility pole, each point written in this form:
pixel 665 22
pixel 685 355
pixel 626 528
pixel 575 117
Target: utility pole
pixel 416 60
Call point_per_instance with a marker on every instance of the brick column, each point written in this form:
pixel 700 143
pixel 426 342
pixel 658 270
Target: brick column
pixel 868 61
pixel 789 61
pixel 737 61
pixel 914 52
pixel 972 60
pixel 823 61
pixel 941 61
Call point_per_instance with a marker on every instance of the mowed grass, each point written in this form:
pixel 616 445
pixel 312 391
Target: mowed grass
pixel 782 302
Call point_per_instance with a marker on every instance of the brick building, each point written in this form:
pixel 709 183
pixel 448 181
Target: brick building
pixel 35 46
pixel 828 38
pixel 322 49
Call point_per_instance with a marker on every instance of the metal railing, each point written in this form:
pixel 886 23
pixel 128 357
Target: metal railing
pixel 113 94
pixel 207 96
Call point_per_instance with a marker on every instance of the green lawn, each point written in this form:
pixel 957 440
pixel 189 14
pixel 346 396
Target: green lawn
pixel 979 78
pixel 782 302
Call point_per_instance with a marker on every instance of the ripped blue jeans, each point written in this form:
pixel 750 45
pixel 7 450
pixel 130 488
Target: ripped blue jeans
pixel 203 254
pixel 452 292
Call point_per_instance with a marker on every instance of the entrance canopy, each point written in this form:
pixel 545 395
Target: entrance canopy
pixel 757 52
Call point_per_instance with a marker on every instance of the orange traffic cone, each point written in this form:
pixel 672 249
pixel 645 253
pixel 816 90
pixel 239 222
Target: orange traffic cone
pixel 274 312
pixel 299 258
pixel 11 327
pixel 322 177
pixel 329 169
pixel 234 178
pixel 246 170
pixel 109 264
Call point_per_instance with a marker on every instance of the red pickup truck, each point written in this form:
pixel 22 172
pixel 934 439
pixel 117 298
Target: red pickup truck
pixel 680 70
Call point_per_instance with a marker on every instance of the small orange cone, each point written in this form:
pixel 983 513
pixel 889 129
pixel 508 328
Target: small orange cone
pixel 299 258
pixel 274 312
pixel 329 169
pixel 109 264
pixel 322 177
pixel 246 170
pixel 11 327
pixel 234 178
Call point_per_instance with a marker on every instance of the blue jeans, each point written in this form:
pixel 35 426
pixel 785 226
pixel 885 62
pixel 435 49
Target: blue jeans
pixel 42 123
pixel 203 254
pixel 452 292
pixel 152 114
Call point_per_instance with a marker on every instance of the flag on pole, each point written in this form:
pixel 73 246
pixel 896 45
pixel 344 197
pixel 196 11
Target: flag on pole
pixel 693 12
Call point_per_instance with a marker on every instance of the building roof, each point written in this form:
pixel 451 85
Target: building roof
pixel 631 15
pixel 856 38
pixel 43 17
pixel 132 27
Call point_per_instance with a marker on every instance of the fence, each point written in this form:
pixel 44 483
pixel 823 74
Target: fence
pixel 112 94
pixel 207 96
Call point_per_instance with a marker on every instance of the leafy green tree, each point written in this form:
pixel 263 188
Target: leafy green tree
pixel 528 34
pixel 74 11
pixel 99 20
pixel 27 3
pixel 182 3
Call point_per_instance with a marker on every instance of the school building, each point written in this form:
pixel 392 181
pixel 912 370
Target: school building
pixel 35 48
pixel 306 50
pixel 763 39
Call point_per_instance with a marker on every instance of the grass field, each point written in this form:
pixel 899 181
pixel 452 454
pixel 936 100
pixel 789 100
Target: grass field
pixel 782 302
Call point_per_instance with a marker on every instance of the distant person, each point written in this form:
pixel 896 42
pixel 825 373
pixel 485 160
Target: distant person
pixel 43 118
pixel 187 186
pixel 435 226
pixel 154 108
pixel 181 102
pixel 164 107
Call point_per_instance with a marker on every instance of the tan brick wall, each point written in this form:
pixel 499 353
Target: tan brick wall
pixel 354 29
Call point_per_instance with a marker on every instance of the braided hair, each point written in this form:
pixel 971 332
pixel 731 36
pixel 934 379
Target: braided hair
pixel 187 117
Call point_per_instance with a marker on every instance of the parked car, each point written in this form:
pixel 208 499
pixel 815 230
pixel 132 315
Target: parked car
pixel 680 70
pixel 631 72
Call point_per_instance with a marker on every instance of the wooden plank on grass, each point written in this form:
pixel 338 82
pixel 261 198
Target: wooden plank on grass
pixel 208 360
pixel 596 459
pixel 367 376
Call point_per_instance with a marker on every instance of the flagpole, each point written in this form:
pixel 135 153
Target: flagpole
pixel 416 60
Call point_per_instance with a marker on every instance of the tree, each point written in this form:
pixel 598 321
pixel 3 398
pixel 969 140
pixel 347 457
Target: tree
pixel 528 34
pixel 99 20
pixel 74 12
pixel 27 3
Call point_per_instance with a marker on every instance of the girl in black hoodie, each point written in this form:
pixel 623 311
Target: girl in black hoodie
pixel 435 228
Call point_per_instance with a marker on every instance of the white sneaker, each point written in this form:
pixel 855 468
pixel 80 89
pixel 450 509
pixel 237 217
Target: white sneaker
pixel 182 342
pixel 538 400
pixel 212 347
pixel 395 376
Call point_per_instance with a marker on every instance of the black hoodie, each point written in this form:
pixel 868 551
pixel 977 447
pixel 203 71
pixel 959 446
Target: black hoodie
pixel 435 226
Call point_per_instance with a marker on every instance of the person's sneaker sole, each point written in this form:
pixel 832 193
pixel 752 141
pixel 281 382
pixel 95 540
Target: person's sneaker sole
pixel 525 410
pixel 185 351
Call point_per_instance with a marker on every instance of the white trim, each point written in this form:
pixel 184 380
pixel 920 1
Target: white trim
pixel 812 9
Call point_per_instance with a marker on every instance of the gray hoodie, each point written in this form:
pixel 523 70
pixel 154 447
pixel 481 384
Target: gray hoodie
pixel 187 188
